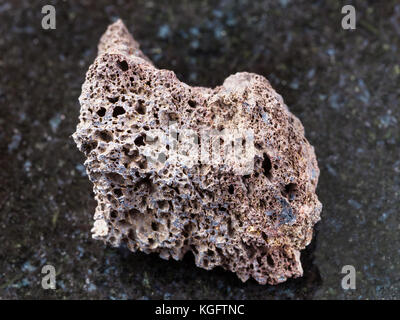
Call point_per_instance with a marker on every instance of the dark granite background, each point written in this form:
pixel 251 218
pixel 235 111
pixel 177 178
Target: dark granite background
pixel 343 85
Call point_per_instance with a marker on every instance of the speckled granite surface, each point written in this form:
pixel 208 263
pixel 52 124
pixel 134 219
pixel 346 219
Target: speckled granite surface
pixel 343 85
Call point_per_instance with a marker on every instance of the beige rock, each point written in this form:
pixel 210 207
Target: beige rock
pixel 159 185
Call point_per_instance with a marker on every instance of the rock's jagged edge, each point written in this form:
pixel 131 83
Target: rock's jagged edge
pixel 254 225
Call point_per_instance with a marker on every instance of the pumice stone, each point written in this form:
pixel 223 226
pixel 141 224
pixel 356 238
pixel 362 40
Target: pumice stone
pixel 225 173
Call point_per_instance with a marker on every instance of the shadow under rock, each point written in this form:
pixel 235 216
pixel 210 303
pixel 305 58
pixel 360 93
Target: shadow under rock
pixel 170 279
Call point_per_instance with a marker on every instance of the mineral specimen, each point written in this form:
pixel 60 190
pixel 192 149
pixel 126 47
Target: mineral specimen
pixel 225 173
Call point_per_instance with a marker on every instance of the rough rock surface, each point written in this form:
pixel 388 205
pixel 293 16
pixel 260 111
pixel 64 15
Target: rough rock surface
pixel 253 224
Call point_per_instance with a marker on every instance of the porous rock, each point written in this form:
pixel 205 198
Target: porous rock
pixel 252 223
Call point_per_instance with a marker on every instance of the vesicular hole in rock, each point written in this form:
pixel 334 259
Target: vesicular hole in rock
pixel 139 141
pixel 290 190
pixel 140 107
pixel 192 103
pixel 266 165
pixel 118 111
pixel 123 65
pixel 270 261
pixel 118 192
pixel 113 214
pixel 87 147
pixel 154 226
pixel 105 136
pixel 101 112
pixel 113 99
